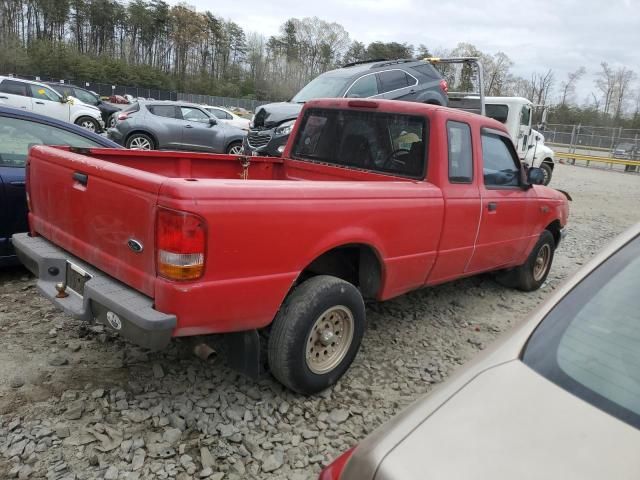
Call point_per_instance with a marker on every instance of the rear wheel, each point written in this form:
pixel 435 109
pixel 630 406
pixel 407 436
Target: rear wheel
pixel 533 273
pixel 88 123
pixel 316 334
pixel 548 171
pixel 111 122
pixel 234 148
pixel 140 141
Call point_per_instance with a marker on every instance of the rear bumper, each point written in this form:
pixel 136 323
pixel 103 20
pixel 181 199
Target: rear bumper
pixel 136 319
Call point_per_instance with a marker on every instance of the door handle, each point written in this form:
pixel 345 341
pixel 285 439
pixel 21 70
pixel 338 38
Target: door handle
pixel 40 103
pixel 81 178
pixel 4 98
pixel 492 206
pixel 188 126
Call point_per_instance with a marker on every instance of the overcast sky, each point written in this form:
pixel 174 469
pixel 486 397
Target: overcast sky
pixel 560 34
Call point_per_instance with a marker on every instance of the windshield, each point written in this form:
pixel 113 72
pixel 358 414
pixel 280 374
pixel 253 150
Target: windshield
pixel 325 86
pixel 589 344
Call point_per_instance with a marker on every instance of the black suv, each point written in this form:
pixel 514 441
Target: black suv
pixel 410 80
pixel 85 96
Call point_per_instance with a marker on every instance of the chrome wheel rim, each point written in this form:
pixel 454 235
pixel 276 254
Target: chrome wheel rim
pixel 329 340
pixel 89 125
pixel 112 122
pixel 542 262
pixel 140 143
pixel 235 150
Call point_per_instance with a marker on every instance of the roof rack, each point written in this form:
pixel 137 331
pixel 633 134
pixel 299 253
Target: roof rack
pixel 386 63
pixel 360 62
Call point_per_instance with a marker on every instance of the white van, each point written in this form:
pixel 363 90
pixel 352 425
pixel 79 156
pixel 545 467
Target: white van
pixel 39 98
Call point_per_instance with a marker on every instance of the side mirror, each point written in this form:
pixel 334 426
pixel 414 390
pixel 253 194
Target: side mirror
pixel 213 121
pixel 535 176
pixel 64 99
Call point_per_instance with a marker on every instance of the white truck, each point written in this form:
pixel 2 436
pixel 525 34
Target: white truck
pixel 516 113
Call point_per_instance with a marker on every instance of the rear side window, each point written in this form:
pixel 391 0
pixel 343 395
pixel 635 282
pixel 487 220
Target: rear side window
pixel 460 152
pixel 364 87
pixel 380 142
pixel 394 80
pixel 168 111
pixel 14 88
pixel 499 163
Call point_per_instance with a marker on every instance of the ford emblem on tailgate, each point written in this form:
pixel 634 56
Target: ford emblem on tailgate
pixel 135 245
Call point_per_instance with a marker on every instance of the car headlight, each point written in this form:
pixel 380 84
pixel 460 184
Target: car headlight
pixel 285 128
pixel 251 121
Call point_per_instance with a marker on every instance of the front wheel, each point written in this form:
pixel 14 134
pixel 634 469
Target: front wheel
pixel 88 123
pixel 548 171
pixel 140 141
pixel 316 334
pixel 234 148
pixel 532 274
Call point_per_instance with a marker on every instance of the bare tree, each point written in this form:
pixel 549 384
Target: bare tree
pixel 541 86
pixel 569 85
pixel 606 83
pixel 623 78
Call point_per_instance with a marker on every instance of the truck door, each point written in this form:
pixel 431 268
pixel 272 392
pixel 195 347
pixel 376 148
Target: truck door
pixel 505 225
pixel 462 206
pixel 15 94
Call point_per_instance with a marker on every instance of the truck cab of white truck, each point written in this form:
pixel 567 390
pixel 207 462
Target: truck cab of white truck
pixel 517 114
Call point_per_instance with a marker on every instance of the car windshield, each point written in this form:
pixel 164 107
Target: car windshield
pixel 589 344
pixel 325 86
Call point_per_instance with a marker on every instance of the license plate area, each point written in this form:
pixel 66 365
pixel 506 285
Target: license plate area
pixel 76 278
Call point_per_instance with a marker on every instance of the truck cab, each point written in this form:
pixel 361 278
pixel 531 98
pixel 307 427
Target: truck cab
pixel 516 113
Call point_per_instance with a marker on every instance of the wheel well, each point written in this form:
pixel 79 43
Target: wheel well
pixel 549 162
pixel 153 137
pixel 554 227
pixel 231 143
pixel 357 264
pixel 432 102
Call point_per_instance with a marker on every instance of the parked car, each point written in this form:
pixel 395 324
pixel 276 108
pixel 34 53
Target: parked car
pixel 20 130
pixel 118 99
pixel 40 98
pixel 626 151
pixel 558 397
pixel 107 110
pixel 228 117
pixel 411 80
pixel 287 249
pixel 161 125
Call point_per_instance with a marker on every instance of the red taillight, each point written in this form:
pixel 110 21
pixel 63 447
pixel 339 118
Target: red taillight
pixel 444 86
pixel 123 116
pixel 335 468
pixel 180 245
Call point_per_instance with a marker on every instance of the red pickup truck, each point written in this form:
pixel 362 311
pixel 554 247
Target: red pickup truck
pixel 371 199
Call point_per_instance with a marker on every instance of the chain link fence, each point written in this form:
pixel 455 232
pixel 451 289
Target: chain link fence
pixel 591 138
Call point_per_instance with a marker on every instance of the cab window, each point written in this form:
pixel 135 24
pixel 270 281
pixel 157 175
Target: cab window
pixel 525 116
pixel 381 142
pixel 500 165
pixel 460 152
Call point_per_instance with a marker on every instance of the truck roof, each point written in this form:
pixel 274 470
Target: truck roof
pixel 409 108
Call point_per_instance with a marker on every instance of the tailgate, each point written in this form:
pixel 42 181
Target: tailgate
pixel 96 210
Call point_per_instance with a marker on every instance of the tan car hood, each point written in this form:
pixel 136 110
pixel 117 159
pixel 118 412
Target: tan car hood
pixel 511 423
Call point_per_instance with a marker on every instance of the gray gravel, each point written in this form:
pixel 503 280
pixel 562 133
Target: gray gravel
pixel 76 402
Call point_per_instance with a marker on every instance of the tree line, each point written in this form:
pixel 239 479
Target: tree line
pixel 151 44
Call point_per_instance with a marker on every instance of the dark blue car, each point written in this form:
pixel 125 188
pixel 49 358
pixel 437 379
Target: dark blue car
pixel 19 130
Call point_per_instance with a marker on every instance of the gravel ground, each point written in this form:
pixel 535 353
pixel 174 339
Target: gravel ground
pixel 78 403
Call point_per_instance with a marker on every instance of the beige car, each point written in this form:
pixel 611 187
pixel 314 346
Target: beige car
pixel 557 398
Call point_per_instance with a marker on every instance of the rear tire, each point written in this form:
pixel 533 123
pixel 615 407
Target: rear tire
pixel 532 274
pixel 111 121
pixel 234 148
pixel 316 334
pixel 548 171
pixel 140 141
pixel 88 123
